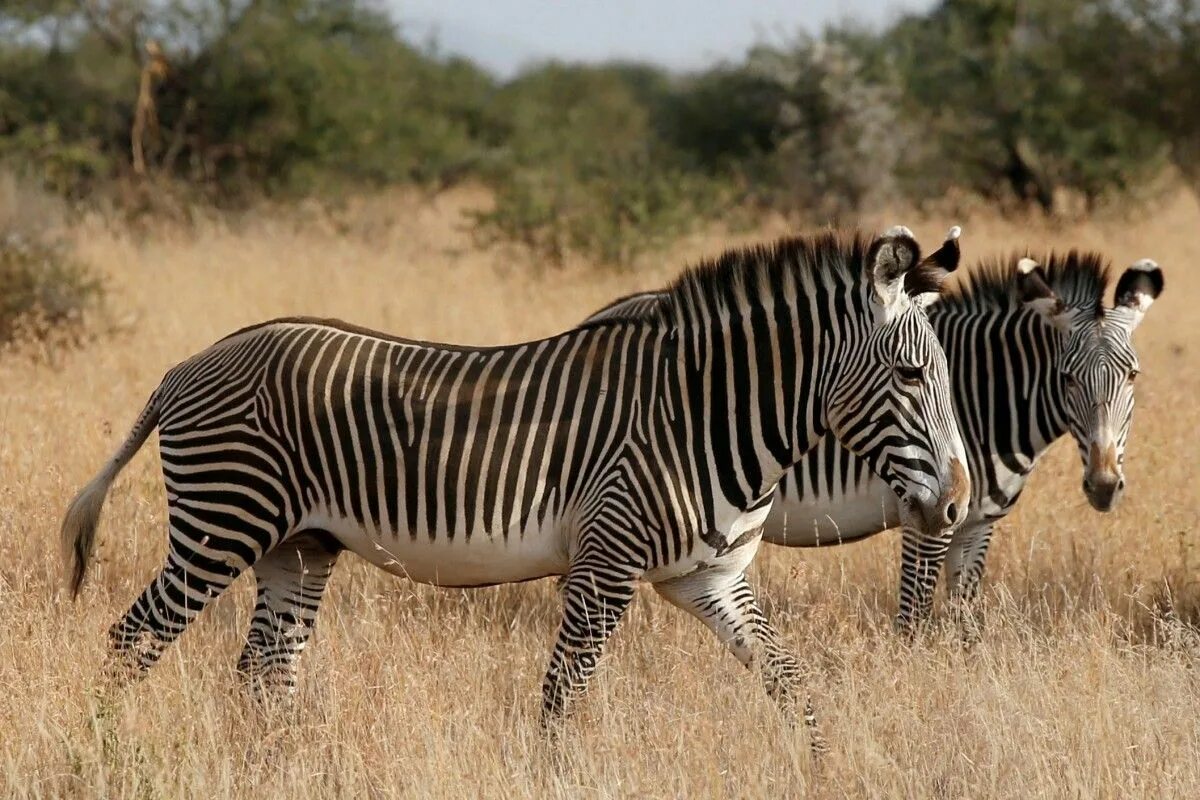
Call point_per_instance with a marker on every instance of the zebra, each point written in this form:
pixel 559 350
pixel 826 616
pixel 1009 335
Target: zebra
pixel 625 450
pixel 1033 356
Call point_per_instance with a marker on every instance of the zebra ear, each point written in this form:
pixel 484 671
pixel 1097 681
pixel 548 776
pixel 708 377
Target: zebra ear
pixel 1035 292
pixel 891 256
pixel 925 281
pixel 1138 288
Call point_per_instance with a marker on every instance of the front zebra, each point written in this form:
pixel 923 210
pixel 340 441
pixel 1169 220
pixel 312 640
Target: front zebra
pixel 625 450
pixel 1033 355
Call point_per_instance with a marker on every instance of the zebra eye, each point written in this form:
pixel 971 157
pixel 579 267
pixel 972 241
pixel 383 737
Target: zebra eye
pixel 1069 380
pixel 910 375
pixel 1133 373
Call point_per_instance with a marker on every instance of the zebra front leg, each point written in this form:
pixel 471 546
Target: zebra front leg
pixel 724 602
pixel 921 558
pixel 964 572
pixel 291 582
pixel 594 600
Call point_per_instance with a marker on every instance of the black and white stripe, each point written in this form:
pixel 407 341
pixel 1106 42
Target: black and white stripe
pixel 620 451
pixel 1033 356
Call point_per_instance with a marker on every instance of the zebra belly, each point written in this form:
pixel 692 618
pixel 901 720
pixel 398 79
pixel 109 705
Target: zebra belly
pixel 730 548
pixel 820 521
pixel 479 560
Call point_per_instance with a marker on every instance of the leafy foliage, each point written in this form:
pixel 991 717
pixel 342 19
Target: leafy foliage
pixel 42 285
pixel 282 95
pixel 1016 101
pixel 45 288
pixel 1002 90
pixel 583 169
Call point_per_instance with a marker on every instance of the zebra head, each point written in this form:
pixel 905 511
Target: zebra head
pixel 888 396
pixel 888 384
pixel 1097 366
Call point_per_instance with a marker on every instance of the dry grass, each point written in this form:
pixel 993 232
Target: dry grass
pixel 1086 684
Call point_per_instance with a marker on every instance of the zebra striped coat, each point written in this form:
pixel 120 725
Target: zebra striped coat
pixel 627 450
pixel 1033 356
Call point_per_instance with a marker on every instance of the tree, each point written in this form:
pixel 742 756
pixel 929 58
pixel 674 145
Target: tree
pixel 285 94
pixel 997 86
pixel 1146 60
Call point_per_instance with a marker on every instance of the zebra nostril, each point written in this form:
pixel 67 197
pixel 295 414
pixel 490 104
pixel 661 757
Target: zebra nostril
pixel 1121 485
pixel 951 512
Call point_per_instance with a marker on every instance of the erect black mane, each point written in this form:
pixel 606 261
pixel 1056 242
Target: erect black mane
pixel 774 263
pixel 630 307
pixel 1079 278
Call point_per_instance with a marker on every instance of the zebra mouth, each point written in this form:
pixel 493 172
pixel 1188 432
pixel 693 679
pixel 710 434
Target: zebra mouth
pixel 1103 493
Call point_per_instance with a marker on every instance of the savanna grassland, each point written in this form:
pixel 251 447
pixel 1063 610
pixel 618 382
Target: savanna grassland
pixel 1086 683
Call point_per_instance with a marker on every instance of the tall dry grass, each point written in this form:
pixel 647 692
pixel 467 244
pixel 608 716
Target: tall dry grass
pixel 1086 684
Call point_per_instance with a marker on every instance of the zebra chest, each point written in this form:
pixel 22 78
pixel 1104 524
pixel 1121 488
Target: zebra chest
pixel 1003 486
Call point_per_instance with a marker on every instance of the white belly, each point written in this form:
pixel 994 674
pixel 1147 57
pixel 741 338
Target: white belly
pixel 478 560
pixel 813 522
pixel 733 555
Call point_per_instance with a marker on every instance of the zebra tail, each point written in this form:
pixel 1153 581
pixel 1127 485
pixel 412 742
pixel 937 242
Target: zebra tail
pixel 79 524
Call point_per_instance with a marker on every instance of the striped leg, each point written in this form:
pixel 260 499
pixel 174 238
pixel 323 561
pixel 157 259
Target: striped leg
pixel 964 572
pixel 196 572
pixel 725 603
pixel 594 599
pixel 291 582
pixel 921 558
pixel 967 559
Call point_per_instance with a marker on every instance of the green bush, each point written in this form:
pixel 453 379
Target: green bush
pixel 43 287
pixel 999 90
pixel 301 91
pixel 583 170
pixel 288 96
pixel 837 131
pixel 1016 101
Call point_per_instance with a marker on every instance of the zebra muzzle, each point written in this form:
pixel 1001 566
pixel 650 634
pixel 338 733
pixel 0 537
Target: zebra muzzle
pixel 1103 482
pixel 956 497
pixel 937 515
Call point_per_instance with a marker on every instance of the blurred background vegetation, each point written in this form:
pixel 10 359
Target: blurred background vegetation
pixel 1060 105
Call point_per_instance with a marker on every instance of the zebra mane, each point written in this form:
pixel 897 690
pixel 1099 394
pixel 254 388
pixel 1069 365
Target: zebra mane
pixel 626 308
pixel 1079 278
pixel 763 271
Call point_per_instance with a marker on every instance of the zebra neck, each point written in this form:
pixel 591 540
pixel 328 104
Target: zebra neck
pixel 1051 397
pixel 1007 390
pixel 753 389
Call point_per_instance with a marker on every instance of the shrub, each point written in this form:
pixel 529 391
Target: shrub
pixel 44 288
pixel 1023 101
pixel 299 92
pixel 998 89
pixel 837 131
pixel 583 170
pixel 288 96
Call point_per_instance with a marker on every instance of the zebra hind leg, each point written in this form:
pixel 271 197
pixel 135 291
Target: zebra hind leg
pixel 594 600
pixel 291 582
pixel 727 605
pixel 196 572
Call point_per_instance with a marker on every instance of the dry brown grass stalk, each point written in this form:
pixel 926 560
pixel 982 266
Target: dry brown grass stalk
pixel 1084 686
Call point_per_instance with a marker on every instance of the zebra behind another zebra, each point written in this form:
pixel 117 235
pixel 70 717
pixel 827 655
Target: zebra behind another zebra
pixel 632 449
pixel 1033 355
